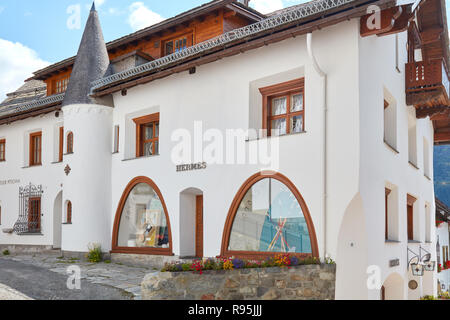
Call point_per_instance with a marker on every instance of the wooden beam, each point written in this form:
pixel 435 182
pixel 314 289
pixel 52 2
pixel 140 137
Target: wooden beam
pixel 441 137
pixel 433 112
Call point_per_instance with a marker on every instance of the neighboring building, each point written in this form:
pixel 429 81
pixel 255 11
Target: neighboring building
pixel 442 245
pixel 353 115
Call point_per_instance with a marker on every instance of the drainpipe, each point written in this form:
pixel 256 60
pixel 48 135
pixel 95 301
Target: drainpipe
pixel 323 75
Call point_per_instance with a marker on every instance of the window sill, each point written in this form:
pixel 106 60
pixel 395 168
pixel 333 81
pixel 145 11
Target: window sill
pixel 33 166
pixel 271 137
pixel 413 165
pixel 56 162
pixel 68 154
pixel 414 241
pixel 391 147
pixel 392 241
pixel 145 157
pixel 67 223
pixel 31 234
pixel 427 177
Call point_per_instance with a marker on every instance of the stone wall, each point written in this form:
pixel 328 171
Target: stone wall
pixel 309 282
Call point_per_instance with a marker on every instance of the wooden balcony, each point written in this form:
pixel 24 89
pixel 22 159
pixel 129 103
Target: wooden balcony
pixel 427 84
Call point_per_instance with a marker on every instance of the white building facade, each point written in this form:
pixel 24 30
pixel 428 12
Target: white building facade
pixel 350 180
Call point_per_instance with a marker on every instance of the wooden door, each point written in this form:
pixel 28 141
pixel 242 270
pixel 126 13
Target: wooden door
pixel 199 227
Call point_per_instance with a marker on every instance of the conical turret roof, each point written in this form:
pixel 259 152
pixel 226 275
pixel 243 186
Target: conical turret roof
pixel 91 62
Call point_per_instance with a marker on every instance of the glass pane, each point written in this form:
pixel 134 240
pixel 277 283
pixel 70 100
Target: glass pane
pixel 148 131
pixel 156 147
pixel 297 124
pixel 279 106
pixel 278 127
pixel 169 47
pixel 270 219
pixel 143 222
pixel 148 149
pixel 297 103
pixel 157 130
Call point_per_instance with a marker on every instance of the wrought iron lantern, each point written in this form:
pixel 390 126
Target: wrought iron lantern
pixel 429 266
pixel 417 269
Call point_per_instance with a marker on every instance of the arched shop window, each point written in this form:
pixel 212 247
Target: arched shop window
pixel 269 216
pixel 142 223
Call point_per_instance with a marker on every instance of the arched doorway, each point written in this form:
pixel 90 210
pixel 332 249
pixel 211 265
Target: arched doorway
pixel 268 216
pixel 351 258
pixel 142 224
pixel 57 221
pixel 393 287
pixel 191 223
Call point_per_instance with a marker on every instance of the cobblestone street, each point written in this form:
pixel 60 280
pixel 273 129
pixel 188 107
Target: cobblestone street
pixel 44 277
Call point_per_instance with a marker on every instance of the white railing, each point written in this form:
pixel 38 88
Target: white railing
pixel 288 16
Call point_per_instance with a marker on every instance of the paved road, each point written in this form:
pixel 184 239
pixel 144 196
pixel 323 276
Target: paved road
pixel 42 284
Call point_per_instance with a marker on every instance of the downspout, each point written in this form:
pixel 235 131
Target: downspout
pixel 323 75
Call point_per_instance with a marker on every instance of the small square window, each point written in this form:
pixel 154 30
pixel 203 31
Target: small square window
pixel 284 108
pixel 147 135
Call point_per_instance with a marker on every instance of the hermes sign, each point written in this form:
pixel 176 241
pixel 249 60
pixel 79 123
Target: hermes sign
pixel 191 167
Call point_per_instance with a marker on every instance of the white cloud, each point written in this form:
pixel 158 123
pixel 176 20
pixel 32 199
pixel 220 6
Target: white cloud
pixel 99 3
pixel 141 16
pixel 1 9
pixel 267 6
pixel 17 63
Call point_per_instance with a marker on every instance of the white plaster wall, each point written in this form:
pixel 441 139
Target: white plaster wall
pixel 381 166
pixel 88 185
pixel 49 175
pixel 219 95
pixel 442 232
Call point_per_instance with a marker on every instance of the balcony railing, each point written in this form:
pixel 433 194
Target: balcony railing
pixel 427 83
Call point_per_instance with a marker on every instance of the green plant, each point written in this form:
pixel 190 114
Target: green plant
pixel 95 253
pixel 107 261
pixel 428 297
pixel 6 252
pixel 444 295
pixel 329 261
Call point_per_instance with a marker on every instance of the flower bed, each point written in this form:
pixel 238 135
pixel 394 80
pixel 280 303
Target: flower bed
pixel 446 266
pixel 198 266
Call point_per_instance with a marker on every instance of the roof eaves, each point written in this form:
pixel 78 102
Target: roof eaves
pixel 292 16
pixel 180 18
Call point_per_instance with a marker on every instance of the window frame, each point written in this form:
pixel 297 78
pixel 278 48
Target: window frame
pixel 286 89
pixel 69 212
pixel 387 192
pixel 140 122
pixel 225 252
pixel 69 142
pixel 172 38
pixel 115 236
pixel 61 144
pixel 32 162
pixel 3 153
pixel 60 85
pixel 410 200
